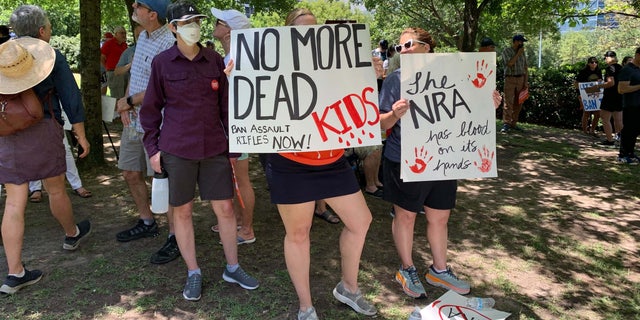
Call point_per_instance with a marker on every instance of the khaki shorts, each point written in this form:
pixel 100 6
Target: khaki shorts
pixel 133 156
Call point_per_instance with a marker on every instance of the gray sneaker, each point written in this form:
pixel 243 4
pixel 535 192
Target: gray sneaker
pixel 410 282
pixel 354 300
pixel 240 277
pixel 310 314
pixel 447 280
pixel 193 288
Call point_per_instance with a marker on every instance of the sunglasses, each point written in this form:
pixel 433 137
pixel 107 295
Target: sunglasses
pixel 408 45
pixel 592 62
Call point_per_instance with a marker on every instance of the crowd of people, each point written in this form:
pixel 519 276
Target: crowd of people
pixel 187 139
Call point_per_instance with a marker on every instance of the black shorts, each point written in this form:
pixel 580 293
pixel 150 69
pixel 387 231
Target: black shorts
pixel 413 196
pixel 291 182
pixel 213 176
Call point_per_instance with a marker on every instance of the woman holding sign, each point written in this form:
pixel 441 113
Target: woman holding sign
pixel 591 72
pixel 436 198
pixel 296 181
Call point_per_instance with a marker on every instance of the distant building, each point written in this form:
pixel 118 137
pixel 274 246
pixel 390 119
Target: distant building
pixel 593 22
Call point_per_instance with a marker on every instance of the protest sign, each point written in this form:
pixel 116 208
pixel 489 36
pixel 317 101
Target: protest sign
pixel 449 131
pixel 590 96
pixel 303 88
pixel 452 306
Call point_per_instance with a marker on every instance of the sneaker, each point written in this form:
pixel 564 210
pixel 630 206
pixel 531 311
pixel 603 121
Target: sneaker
pixel 447 280
pixel 310 314
pixel 72 243
pixel 505 128
pixel 193 288
pixel 410 282
pixel 140 230
pixel 240 277
pixel 628 160
pixel 354 300
pixel 167 253
pixel 12 284
pixel 607 144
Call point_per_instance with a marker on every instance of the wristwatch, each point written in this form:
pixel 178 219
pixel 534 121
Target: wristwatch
pixel 130 101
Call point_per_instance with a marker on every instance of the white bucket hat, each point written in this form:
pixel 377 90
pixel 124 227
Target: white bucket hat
pixel 24 62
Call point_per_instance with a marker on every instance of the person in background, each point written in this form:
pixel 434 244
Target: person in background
pixel 487 45
pixel 134 162
pixel 111 51
pixel 210 45
pixel 611 105
pixel 436 198
pixel 37 152
pixel 4 34
pixel 123 68
pixel 296 181
pixel 187 138
pixel 629 87
pixel 516 79
pixel 626 60
pixel 244 202
pixel 590 72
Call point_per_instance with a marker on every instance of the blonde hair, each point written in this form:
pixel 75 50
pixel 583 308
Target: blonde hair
pixel 421 35
pixel 295 14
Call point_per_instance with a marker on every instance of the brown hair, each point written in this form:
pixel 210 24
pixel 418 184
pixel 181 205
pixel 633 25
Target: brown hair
pixel 295 14
pixel 421 35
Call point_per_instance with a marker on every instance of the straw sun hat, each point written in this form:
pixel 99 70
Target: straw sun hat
pixel 24 62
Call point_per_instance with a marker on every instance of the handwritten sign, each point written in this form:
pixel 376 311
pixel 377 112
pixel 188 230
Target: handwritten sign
pixel 452 306
pixel 449 131
pixel 591 97
pixel 304 88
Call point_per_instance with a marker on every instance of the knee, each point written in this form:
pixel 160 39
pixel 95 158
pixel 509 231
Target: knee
pixel 299 235
pixel 132 177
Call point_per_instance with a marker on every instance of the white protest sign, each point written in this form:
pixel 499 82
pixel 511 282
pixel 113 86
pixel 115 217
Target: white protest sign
pixel 449 131
pixel 452 306
pixel 304 88
pixel 591 97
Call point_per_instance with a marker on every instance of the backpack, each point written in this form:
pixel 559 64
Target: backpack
pixel 19 111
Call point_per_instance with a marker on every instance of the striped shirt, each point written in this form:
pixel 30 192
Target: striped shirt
pixel 147 48
pixel 519 68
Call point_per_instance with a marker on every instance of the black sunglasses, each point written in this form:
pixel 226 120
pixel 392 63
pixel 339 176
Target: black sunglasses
pixel 407 45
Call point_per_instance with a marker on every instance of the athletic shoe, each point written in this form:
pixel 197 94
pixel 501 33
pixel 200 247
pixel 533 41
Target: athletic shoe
pixel 167 253
pixel 410 282
pixel 354 300
pixel 608 144
pixel 240 277
pixel 72 243
pixel 310 314
pixel 447 280
pixel 505 128
pixel 193 288
pixel 628 160
pixel 140 230
pixel 12 284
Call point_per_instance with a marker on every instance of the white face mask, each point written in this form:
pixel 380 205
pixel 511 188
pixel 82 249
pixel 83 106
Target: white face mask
pixel 190 33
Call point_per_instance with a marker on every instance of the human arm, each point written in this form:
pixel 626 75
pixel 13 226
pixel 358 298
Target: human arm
pixel 627 87
pixel 151 109
pixel 392 107
pixel 79 133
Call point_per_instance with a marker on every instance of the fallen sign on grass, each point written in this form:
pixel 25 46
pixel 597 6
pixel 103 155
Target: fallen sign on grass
pixel 452 306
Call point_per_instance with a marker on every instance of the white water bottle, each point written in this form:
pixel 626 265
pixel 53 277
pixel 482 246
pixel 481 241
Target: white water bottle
pixel 160 193
pixel 480 303
pixel 415 315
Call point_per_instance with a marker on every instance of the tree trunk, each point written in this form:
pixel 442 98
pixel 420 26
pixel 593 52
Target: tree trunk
pixel 90 72
pixel 470 29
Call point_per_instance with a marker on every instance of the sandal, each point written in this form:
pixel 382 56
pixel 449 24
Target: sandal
pixel 35 196
pixel 378 193
pixel 328 216
pixel 83 193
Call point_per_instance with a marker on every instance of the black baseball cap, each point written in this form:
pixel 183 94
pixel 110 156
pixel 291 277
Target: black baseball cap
pixel 610 54
pixel 487 42
pixel 519 37
pixel 183 11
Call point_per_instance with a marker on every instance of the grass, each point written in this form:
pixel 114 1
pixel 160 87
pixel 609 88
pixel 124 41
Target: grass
pixel 555 236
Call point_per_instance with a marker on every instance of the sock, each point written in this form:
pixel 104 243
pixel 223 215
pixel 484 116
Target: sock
pixel 19 275
pixel 232 268
pixel 438 271
pixel 192 272
pixel 148 222
pixel 76 234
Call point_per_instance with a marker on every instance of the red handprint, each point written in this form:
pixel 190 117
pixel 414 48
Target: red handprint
pixel 487 160
pixel 420 165
pixel 481 79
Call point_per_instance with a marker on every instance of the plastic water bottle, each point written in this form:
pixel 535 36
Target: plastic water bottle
pixel 480 303
pixel 160 193
pixel 415 314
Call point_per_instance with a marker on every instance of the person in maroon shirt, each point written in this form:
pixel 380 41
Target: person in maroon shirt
pixel 184 117
pixel 110 54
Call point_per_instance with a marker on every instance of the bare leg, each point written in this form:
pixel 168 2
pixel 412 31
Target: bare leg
pixel 297 219
pixel 60 204
pixel 245 215
pixel 13 225
pixel 402 229
pixel 606 124
pixel 371 166
pixel 227 222
pixel 438 235
pixel 617 121
pixel 594 122
pixel 355 215
pixel 183 222
pixel 139 192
